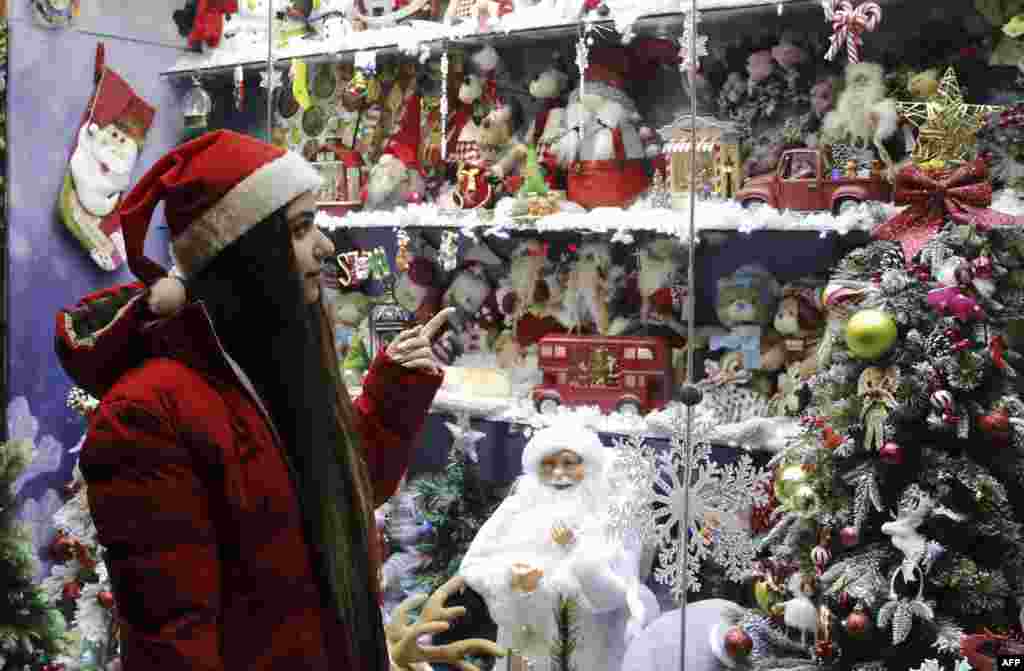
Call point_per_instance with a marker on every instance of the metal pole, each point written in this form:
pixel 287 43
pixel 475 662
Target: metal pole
pixel 690 334
pixel 270 70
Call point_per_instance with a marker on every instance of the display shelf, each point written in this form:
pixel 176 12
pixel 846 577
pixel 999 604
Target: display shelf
pixel 528 25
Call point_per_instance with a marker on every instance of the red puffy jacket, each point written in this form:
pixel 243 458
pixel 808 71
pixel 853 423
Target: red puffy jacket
pixel 191 493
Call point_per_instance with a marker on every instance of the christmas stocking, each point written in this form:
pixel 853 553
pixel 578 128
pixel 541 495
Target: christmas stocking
pixel 106 149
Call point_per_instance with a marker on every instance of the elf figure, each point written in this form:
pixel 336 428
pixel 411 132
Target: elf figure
pixel 106 150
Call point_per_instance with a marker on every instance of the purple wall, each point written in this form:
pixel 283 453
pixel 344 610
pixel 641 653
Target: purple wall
pixel 50 83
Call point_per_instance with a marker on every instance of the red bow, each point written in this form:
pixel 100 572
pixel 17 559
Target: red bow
pixel 964 195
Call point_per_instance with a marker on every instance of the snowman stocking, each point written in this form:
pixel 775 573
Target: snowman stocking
pixel 106 149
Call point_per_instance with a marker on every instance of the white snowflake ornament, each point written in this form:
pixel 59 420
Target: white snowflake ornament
pixel 708 513
pixel 465 437
pixel 275 79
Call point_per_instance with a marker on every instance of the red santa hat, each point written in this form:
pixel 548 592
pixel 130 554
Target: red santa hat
pixel 214 189
pixel 404 144
pixel 609 66
pixel 566 434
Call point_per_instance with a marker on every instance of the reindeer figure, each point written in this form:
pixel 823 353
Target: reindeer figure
pixel 403 638
pixel 914 508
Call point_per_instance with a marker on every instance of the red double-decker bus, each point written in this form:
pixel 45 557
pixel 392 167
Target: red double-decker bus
pixel 624 373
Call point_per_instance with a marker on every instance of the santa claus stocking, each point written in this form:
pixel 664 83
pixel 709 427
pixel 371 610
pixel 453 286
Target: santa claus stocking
pixel 105 152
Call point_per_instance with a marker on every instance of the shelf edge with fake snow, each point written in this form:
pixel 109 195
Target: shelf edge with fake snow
pixel 710 216
pixel 245 43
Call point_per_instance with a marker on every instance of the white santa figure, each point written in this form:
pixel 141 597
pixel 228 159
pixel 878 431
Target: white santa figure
pixel 865 116
pixel 397 178
pixel 549 539
pixel 602 149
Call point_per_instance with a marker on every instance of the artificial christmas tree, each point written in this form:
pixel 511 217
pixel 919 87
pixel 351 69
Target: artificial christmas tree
pixel 31 630
pixel 78 583
pixel 915 409
pixel 455 503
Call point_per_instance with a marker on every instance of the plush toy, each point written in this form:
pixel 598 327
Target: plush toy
pixel 473 297
pixel 478 92
pixel 418 289
pixel 586 299
pixel 800 317
pixel 744 303
pixel 658 288
pixel 863 113
pixel 397 178
pixel 548 123
pixel 603 153
pixel 501 154
pixel 350 309
pixel 530 297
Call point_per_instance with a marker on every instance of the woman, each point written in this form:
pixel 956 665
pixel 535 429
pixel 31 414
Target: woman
pixel 231 479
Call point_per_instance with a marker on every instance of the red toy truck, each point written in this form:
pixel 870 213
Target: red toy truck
pixel 802 181
pixel 628 374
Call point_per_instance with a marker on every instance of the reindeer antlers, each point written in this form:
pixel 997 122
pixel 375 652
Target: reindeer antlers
pixel 407 653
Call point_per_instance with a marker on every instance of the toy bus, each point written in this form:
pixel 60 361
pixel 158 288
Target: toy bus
pixel 630 374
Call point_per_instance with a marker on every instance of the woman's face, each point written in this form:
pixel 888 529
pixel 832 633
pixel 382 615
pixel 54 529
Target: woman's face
pixel 311 246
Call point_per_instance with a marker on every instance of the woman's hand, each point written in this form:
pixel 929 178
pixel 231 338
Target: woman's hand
pixel 413 348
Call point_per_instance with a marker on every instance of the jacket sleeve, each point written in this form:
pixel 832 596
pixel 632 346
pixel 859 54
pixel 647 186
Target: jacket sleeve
pixel 153 516
pixel 390 413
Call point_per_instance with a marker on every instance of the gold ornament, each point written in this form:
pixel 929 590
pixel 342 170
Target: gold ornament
pixel 947 125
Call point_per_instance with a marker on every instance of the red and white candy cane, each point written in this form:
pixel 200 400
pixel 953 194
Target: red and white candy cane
pixel 848 23
pixel 943 401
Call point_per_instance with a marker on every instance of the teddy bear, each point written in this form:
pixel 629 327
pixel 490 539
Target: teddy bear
pixel 745 303
pixel 800 318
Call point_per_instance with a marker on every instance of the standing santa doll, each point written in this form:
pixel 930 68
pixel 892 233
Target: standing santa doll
pixel 602 150
pixel 397 178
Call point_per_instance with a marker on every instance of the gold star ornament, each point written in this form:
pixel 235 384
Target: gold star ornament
pixel 946 125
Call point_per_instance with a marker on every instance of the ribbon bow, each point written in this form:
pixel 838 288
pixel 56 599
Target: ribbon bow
pixel 469 174
pixel 964 195
pixel 538 251
pixel 848 23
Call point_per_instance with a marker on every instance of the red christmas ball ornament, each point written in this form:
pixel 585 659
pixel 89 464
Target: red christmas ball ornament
pixel 857 623
pixel 849 536
pixel 844 599
pixel 106 599
pixel 63 547
pixel 738 644
pixel 891 454
pixel 71 590
pixel 996 425
pixel 84 556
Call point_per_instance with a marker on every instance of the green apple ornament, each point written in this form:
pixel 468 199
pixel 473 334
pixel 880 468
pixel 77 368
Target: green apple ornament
pixel 870 334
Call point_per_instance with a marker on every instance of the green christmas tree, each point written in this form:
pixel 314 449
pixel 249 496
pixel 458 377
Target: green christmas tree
pixel 455 503
pixel 31 630
pixel 534 183
pixel 901 505
pixel 564 647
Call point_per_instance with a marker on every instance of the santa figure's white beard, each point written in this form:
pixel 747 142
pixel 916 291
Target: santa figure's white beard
pixel 100 173
pixel 589 127
pixel 853 112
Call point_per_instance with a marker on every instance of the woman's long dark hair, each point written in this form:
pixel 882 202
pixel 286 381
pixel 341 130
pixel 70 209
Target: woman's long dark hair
pixel 253 293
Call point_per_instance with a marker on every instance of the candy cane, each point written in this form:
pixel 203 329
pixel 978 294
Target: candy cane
pixel 848 24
